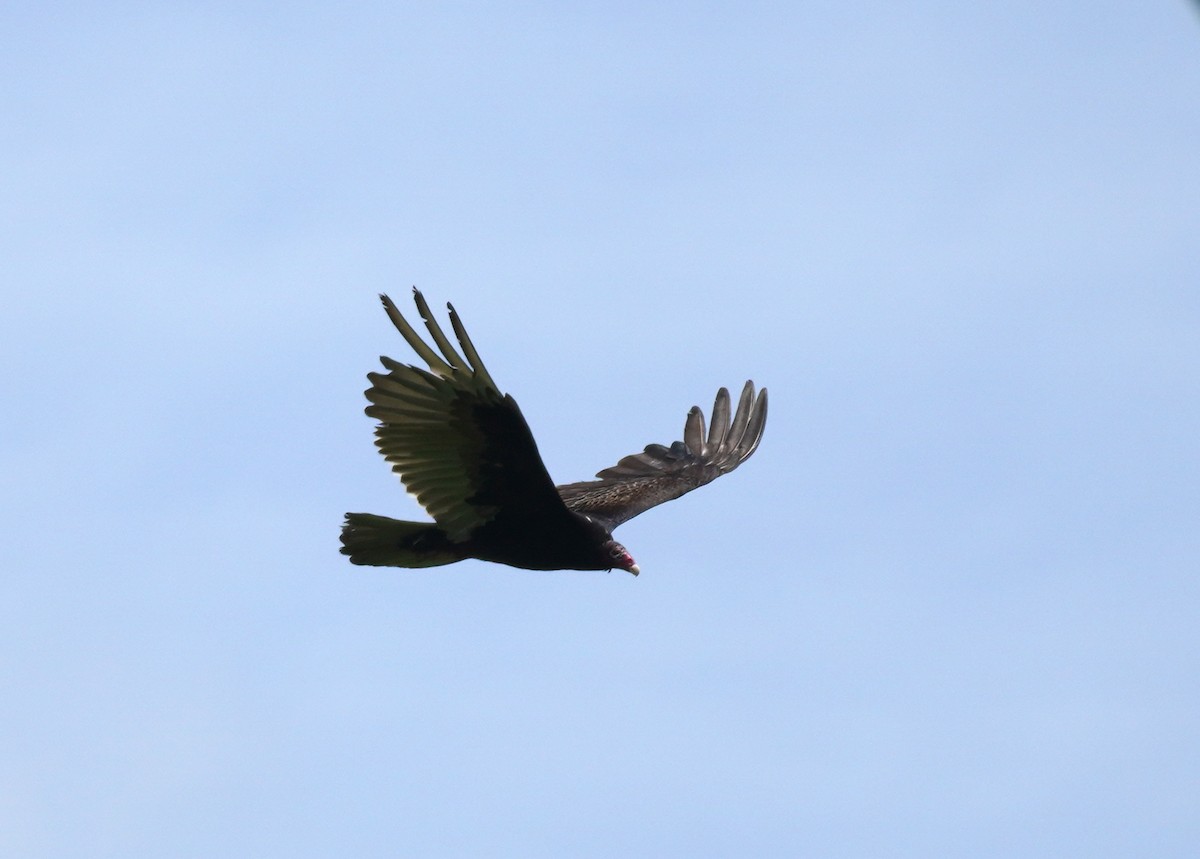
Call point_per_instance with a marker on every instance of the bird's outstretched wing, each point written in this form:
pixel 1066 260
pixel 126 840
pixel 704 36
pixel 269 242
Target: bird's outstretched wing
pixel 458 444
pixel 657 474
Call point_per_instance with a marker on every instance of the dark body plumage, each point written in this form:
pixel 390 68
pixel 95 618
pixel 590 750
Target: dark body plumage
pixel 464 450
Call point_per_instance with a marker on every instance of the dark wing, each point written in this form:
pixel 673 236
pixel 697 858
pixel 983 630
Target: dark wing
pixel 644 480
pixel 458 444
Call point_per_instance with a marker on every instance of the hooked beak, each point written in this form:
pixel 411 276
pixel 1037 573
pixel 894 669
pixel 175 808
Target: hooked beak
pixel 633 568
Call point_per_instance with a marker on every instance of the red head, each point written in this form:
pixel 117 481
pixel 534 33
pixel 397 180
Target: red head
pixel 620 558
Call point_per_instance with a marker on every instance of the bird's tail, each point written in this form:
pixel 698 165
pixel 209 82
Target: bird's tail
pixel 378 541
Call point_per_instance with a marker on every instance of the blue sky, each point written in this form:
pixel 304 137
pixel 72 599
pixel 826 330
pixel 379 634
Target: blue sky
pixel 950 606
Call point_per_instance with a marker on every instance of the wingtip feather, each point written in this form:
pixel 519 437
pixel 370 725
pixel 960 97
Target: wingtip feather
pixel 718 429
pixel 693 431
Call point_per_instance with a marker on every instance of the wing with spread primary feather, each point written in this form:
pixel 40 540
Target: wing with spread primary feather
pixel 459 445
pixel 659 473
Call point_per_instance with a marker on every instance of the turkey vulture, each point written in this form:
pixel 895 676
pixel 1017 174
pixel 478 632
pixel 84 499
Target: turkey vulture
pixel 464 450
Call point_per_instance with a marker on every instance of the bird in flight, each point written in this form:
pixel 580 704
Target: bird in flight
pixel 463 449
